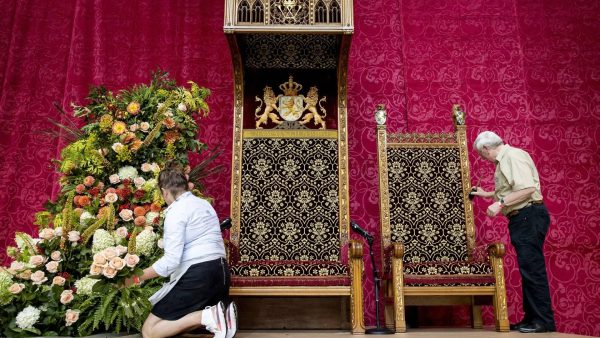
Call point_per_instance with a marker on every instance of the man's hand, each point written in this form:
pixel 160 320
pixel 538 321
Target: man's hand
pixel 494 209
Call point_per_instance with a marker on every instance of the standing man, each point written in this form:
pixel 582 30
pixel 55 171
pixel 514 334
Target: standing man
pixel 518 196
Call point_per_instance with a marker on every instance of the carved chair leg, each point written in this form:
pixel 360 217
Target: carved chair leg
pixel 477 319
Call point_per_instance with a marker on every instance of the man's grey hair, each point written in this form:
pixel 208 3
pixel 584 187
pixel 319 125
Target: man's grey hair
pixel 487 139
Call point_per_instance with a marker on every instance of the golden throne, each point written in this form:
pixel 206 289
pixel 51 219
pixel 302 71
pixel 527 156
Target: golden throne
pixel 289 196
pixel 428 228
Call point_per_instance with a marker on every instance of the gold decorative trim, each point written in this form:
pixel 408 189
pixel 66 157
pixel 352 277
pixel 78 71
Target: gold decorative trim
pixel 461 138
pixel 281 291
pixel 238 111
pixel 290 133
pixel 344 205
pixel 384 191
pixel 287 16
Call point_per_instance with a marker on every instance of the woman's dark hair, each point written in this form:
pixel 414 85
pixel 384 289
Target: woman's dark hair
pixel 173 178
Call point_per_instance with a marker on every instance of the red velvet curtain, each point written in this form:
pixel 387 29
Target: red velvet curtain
pixel 528 70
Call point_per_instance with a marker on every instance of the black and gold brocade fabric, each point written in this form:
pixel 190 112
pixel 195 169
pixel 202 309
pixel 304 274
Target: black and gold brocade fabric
pixel 427 212
pixel 289 208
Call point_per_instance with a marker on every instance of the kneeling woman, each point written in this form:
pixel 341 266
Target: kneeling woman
pixel 194 259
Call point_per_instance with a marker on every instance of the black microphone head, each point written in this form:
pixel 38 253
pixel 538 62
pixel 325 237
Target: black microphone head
pixel 226 223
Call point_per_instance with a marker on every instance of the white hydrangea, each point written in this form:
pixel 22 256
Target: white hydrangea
pixel 144 242
pixel 28 317
pixel 84 285
pixel 102 240
pixel 128 172
pixel 85 216
pixel 151 216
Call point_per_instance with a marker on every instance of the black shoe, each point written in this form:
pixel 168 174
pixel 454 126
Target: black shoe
pixel 517 326
pixel 533 328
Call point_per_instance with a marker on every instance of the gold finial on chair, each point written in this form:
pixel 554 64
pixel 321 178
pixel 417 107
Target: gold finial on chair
pixel 380 114
pixel 458 114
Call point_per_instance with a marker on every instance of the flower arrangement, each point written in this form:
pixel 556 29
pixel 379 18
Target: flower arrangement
pixel 107 221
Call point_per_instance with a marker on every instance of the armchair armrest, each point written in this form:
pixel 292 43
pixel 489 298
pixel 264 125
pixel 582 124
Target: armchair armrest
pixel 497 249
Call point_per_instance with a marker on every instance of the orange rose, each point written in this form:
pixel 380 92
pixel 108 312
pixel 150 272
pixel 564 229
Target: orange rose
pixel 140 221
pixel 136 144
pixel 88 181
pixel 154 207
pixel 84 201
pixel 139 211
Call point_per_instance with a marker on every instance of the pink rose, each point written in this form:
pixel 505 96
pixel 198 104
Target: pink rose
pixel 126 214
pixel 134 127
pixel 56 256
pixel 16 288
pixel 66 296
pixel 117 263
pixel 111 197
pixel 146 167
pixel 58 280
pixel 121 249
pixel 114 179
pixel 74 236
pixel 122 231
pixel 117 146
pixel 144 126
pixel 80 189
pixel 139 181
pixel 17 266
pixel 110 253
pixel 25 275
pixel 109 272
pixel 99 259
pixel 131 260
pixel 96 270
pixel 52 266
pixel 37 260
pixel 38 277
pixel 47 233
pixel 71 316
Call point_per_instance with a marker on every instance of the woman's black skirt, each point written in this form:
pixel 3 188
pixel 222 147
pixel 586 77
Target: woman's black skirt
pixel 204 284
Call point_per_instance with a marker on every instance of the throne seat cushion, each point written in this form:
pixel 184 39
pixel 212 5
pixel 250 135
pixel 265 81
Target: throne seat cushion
pixel 455 273
pixel 290 273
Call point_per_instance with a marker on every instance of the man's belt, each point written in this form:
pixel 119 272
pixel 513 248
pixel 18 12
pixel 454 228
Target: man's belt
pixel 516 212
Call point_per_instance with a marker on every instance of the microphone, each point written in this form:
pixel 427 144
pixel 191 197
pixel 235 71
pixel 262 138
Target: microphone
pixel 360 231
pixel 226 224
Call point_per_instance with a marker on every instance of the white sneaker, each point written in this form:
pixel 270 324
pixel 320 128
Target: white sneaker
pixel 213 318
pixel 231 319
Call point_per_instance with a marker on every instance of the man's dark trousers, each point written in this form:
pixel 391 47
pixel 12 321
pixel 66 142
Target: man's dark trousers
pixel 528 230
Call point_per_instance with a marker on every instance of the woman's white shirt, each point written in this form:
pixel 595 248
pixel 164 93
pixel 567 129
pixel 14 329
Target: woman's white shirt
pixel 191 233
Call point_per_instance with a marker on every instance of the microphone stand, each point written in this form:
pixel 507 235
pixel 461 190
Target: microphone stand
pixel 377 280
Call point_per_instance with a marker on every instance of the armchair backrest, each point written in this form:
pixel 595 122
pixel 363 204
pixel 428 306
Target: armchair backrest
pixel 289 208
pixel 424 188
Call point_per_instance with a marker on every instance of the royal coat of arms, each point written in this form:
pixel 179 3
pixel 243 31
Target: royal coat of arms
pixel 290 106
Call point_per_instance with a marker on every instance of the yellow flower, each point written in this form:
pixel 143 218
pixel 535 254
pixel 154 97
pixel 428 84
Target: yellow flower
pixel 106 122
pixel 133 108
pixel 119 127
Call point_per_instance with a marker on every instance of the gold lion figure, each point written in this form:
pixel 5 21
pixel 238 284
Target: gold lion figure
pixel 311 101
pixel 270 101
